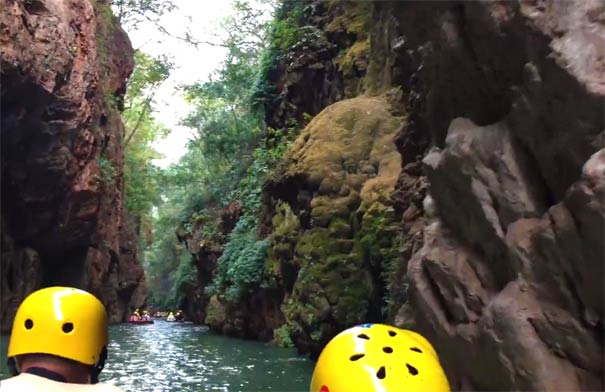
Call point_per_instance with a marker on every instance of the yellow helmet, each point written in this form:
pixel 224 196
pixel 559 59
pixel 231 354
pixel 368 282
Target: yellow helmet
pixel 61 321
pixel 377 357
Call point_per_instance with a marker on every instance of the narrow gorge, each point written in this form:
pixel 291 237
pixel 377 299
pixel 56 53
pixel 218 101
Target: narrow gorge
pixel 438 166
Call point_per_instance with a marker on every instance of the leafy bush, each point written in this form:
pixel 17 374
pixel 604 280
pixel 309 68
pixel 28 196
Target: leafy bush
pixel 185 278
pixel 283 34
pixel 288 37
pixel 282 336
pixel 241 265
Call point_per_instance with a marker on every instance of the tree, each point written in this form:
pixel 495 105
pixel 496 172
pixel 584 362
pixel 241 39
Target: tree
pixel 141 176
pixel 131 13
pixel 225 160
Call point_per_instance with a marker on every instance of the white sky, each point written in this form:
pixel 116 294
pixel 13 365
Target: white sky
pixel 203 19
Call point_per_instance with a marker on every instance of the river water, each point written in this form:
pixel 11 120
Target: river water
pixel 177 357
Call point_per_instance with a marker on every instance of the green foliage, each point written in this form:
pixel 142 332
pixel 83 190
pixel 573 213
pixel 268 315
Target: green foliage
pixel 380 243
pixel 242 262
pixel 241 266
pixel 287 36
pixel 148 74
pixel 282 336
pixel 108 170
pixel 143 181
pixel 222 163
pixel 228 158
pixel 185 277
pixel 163 257
pixel 141 176
pixel 202 222
pixel 247 29
pixel 132 12
pixel 286 27
pixel 283 34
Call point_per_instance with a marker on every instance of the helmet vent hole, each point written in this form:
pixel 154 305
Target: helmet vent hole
pixel 416 349
pixel 67 327
pixel 411 369
pixel 387 350
pixel 29 324
pixel 381 373
pixel 363 336
pixel 356 357
pixel 392 333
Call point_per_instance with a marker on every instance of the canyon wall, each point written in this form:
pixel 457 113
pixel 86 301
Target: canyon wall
pixel 451 181
pixel 64 67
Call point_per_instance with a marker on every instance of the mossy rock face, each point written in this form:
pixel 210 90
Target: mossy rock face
pixel 350 165
pixel 352 19
pixel 216 314
pixel 327 297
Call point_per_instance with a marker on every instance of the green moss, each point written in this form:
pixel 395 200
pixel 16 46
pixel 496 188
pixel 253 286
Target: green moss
pixel 347 156
pixel 331 184
pixel 353 19
pixel 335 292
pixel 281 336
pixel 378 234
pixel 215 312
pixel 108 170
pixel 380 245
pixel 351 16
pixel 315 244
pixel 355 58
pixel 285 221
pixel 340 228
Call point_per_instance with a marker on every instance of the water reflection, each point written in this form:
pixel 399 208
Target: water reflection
pixel 184 357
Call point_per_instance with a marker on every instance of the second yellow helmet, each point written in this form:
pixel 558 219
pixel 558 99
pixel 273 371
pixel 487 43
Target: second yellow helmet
pixel 377 357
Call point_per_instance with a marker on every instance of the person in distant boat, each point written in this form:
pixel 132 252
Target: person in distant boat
pixel 146 316
pixel 179 315
pixel 170 317
pixel 58 343
pixel 135 316
pixel 377 357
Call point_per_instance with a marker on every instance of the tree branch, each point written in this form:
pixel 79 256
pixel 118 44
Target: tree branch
pixel 146 107
pixel 188 38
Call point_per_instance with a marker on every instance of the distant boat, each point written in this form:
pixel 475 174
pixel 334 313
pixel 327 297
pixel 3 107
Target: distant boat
pixel 136 319
pixel 140 321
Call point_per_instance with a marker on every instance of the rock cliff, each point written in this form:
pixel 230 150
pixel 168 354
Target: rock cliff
pixel 505 103
pixel 500 197
pixel 64 66
pixel 452 182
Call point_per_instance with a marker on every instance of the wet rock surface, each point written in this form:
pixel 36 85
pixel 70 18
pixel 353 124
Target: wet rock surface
pixel 505 104
pixel 64 66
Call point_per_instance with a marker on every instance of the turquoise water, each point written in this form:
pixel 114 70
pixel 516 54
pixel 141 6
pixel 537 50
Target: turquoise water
pixel 186 357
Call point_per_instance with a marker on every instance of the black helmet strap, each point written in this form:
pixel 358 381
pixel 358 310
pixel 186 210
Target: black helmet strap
pixel 96 369
pixel 12 366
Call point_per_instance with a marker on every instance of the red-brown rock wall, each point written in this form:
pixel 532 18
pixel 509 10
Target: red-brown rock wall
pixel 64 65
